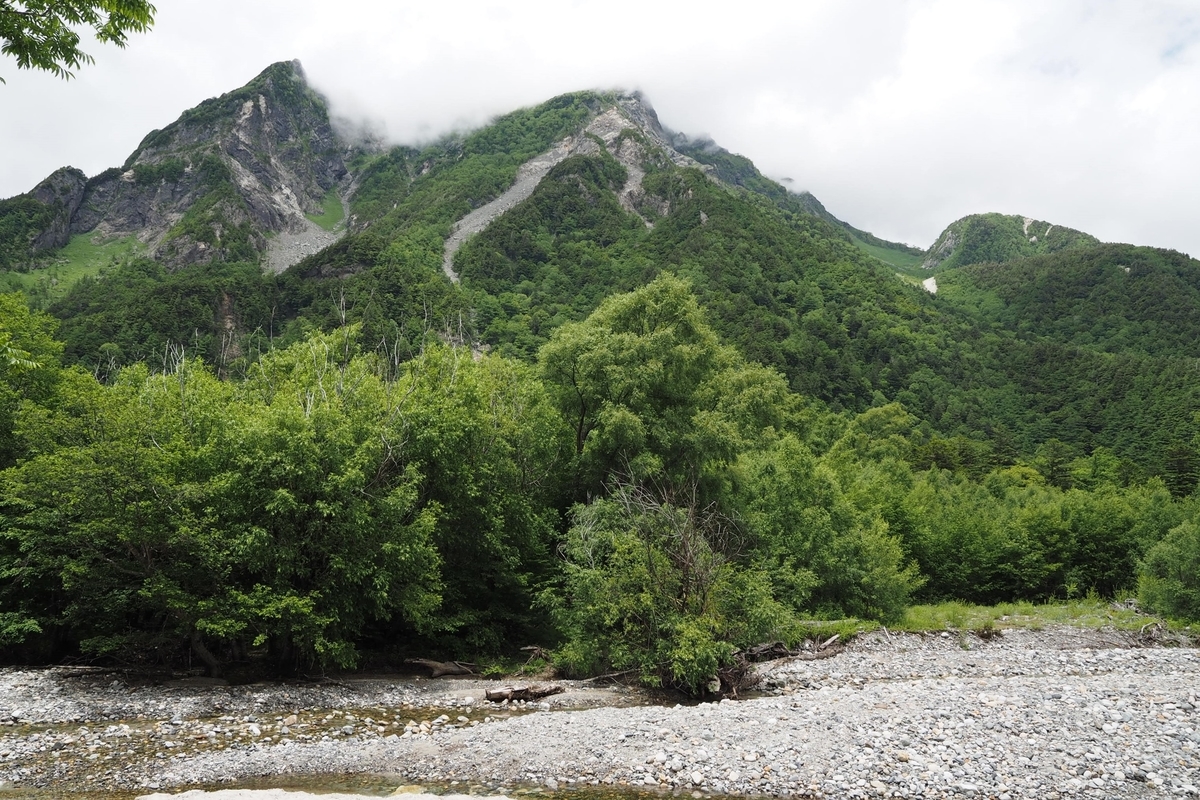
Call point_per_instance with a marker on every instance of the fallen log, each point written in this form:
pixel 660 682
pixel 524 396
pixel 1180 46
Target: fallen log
pixel 768 651
pixel 514 693
pixel 440 668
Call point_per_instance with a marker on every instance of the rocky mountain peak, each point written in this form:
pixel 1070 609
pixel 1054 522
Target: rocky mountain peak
pixel 212 184
pixel 62 191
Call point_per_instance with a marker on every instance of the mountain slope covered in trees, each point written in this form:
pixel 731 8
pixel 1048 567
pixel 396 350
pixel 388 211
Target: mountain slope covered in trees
pixel 1113 298
pixel 985 238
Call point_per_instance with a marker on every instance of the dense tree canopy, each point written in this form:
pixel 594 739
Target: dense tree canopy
pixel 644 497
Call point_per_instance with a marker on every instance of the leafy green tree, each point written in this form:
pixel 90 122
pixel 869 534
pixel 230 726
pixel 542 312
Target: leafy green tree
pixel 40 34
pixel 648 390
pixel 29 365
pixel 1111 529
pixel 822 555
pixel 321 506
pixel 1169 580
pixel 657 577
pixel 96 516
pixel 985 543
pixel 491 450
pixel 653 585
pixel 173 512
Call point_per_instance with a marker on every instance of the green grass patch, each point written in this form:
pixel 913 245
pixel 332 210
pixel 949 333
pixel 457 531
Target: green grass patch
pixel 822 630
pixel 333 214
pixel 905 263
pixel 86 254
pixel 1091 613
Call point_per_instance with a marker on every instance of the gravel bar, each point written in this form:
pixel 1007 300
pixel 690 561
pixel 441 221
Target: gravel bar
pixel 1035 714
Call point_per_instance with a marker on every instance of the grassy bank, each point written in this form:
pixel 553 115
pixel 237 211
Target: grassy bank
pixel 1083 613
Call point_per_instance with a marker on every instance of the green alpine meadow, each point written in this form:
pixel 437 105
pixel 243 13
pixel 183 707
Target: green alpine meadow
pixel 277 402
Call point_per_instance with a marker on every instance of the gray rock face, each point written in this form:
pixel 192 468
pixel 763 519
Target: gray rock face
pixel 216 182
pixel 62 191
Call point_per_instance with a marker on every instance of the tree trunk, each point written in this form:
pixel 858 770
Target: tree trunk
pixel 202 653
pixel 512 693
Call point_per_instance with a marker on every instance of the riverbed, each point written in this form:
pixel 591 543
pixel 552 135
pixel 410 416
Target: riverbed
pixel 1051 713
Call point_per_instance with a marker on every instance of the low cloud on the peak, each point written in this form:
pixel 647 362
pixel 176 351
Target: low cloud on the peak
pixel 899 116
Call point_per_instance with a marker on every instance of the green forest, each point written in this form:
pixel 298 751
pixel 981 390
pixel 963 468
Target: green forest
pixel 640 437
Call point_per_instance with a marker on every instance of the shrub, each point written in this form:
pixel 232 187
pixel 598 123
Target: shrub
pixel 1170 578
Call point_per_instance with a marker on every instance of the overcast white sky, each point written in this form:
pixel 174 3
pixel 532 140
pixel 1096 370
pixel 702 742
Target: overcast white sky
pixel 900 116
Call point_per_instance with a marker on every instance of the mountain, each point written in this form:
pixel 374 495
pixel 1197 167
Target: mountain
pixel 224 179
pixel 980 238
pixel 216 184
pixel 497 237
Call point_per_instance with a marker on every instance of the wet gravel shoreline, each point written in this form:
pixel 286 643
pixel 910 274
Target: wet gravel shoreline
pixel 1053 713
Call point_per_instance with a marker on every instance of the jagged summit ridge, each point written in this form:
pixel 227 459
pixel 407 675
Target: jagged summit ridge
pixel 238 177
pixel 216 182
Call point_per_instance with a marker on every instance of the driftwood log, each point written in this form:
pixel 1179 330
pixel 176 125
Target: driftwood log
pixel 771 651
pixel 513 693
pixel 439 668
pixel 741 675
pixel 768 651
